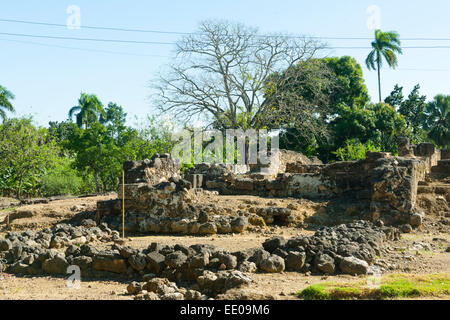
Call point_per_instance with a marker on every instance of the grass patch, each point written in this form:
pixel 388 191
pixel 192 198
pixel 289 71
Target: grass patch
pixel 8 209
pixel 315 292
pixel 394 286
pixel 403 286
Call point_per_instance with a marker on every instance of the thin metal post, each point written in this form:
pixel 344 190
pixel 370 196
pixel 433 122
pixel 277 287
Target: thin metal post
pixel 123 204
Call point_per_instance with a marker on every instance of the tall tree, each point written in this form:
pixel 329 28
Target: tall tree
pixel 413 109
pixel 437 120
pixel 350 87
pixel 395 99
pixel 96 152
pixel 61 131
pixel 322 82
pixel 89 110
pixel 378 123
pixel 114 119
pixel 220 73
pixel 5 103
pixel 385 46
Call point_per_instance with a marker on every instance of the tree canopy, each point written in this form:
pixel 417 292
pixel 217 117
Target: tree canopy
pixel 89 110
pixel 220 73
pixel 412 108
pixel 437 120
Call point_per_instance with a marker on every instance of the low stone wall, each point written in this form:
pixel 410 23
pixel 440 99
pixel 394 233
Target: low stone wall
pixel 427 152
pixel 278 160
pixel 442 168
pixel 445 154
pixel 158 169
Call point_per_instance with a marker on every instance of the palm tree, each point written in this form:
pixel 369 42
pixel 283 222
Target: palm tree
pixel 386 45
pixel 5 103
pixel 89 110
pixel 437 120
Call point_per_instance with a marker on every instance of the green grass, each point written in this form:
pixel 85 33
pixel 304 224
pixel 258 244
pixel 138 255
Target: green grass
pixel 394 286
pixel 8 209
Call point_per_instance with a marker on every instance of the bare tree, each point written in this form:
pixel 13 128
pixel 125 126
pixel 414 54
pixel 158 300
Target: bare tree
pixel 220 74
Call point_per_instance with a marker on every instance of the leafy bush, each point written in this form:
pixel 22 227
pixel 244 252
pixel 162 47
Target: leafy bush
pixel 63 179
pixel 355 150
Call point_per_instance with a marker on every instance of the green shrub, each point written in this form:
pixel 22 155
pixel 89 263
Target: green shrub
pixel 355 150
pixel 65 180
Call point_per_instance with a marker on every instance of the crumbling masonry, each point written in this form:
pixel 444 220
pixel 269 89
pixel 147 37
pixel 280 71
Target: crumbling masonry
pixel 159 199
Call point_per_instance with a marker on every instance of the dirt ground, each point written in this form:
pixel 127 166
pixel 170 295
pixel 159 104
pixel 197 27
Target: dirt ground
pixel 420 252
pixel 43 215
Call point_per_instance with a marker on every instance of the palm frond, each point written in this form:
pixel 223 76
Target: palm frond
pixel 3 115
pixel 73 110
pixel 370 60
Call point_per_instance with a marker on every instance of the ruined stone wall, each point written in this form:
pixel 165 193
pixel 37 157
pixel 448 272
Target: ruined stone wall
pixel 158 199
pixel 445 154
pixel 427 152
pixel 279 160
pixel 348 249
pixel 387 185
pixel 160 168
pixel 152 187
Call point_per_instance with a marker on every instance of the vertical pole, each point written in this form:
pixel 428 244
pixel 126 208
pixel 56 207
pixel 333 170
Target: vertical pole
pixel 123 204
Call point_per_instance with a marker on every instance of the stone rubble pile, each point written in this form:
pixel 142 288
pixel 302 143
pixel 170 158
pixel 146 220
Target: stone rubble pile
pixel 350 249
pixel 31 252
pixel 211 284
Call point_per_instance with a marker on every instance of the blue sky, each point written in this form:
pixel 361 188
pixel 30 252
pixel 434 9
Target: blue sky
pixel 47 80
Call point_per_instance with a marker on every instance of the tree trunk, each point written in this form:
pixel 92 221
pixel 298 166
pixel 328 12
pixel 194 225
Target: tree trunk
pixel 19 189
pixel 97 185
pixel 379 81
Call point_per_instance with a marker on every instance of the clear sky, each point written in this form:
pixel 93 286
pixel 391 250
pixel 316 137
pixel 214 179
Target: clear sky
pixel 47 75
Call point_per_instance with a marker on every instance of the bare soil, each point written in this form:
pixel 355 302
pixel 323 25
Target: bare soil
pixel 43 215
pixel 6 203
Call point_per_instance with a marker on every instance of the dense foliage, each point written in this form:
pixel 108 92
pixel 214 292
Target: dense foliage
pixel 74 158
pixel 27 154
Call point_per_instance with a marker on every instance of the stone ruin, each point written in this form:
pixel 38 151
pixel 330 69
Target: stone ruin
pixel 159 199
